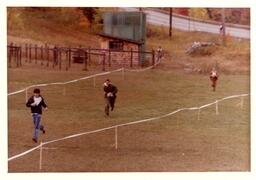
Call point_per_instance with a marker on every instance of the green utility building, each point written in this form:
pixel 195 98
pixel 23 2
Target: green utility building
pixel 124 31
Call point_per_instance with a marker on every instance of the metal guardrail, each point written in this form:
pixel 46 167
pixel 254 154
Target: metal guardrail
pixel 200 20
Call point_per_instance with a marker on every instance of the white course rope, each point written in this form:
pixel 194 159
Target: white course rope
pixel 63 83
pixel 83 78
pixel 125 124
pixel 144 69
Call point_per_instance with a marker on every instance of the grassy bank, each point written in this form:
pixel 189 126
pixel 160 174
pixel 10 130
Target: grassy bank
pixel 233 58
pixel 68 28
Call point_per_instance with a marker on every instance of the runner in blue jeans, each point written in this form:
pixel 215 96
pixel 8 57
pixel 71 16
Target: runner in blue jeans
pixel 36 102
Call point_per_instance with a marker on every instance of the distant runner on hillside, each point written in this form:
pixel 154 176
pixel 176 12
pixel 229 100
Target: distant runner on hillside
pixel 159 53
pixel 214 78
pixel 110 96
pixel 221 29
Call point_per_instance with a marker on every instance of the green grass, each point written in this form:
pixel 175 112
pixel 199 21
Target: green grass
pixel 177 143
pixel 213 143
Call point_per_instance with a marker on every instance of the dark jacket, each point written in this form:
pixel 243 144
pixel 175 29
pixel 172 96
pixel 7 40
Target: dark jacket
pixel 110 89
pixel 38 107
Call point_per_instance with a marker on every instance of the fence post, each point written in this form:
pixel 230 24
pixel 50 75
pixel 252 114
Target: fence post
pixel 60 58
pixel 35 53
pixel 103 63
pixel 29 53
pixel 109 58
pixel 41 156
pixel 10 55
pixel 16 55
pixel 89 55
pixel 66 60
pixel 153 58
pixel 139 59
pixel 64 90
pixel 55 56
pixel 26 95
pixel 85 60
pixel 69 57
pixel 94 81
pixel 20 57
pixel 131 57
pixel 116 143
pixel 26 52
pixel 47 55
pixel 123 59
pixel 217 109
pixel 123 73
pixel 198 114
pixel 42 55
pixel 13 54
pixel 242 102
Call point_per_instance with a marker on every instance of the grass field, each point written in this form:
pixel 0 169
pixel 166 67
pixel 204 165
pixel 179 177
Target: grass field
pixel 177 143
pixel 181 142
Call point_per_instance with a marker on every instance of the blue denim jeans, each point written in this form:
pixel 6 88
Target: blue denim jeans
pixel 37 126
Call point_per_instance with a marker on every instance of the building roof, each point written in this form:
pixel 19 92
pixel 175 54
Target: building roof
pixel 122 39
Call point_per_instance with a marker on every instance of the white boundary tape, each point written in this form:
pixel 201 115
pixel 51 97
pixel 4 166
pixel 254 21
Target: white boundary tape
pixel 82 78
pixel 144 69
pixel 63 83
pixel 125 124
pixel 24 153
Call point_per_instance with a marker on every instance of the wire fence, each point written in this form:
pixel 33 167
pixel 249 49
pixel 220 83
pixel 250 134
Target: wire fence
pixel 85 58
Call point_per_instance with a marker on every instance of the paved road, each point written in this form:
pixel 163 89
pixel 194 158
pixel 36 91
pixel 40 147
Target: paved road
pixel 158 18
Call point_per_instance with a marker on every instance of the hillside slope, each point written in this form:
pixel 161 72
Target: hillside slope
pixel 68 27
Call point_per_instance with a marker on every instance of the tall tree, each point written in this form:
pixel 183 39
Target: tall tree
pixel 89 13
pixel 200 13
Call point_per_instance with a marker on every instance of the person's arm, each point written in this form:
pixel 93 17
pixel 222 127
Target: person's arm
pixel 115 90
pixel 29 102
pixel 105 89
pixel 43 103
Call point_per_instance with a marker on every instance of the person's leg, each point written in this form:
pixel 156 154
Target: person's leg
pixel 37 119
pixel 34 122
pixel 214 83
pixel 41 126
pixel 107 105
pixel 214 86
pixel 112 102
pixel 42 129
